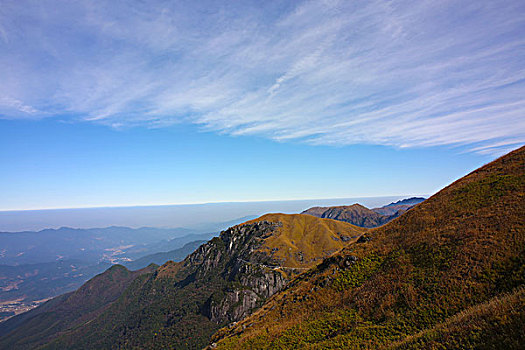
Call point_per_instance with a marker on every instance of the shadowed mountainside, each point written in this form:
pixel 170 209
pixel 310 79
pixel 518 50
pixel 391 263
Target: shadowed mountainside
pixel 446 274
pixel 69 310
pixel 359 215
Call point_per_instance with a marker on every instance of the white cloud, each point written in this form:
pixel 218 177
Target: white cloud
pixel 18 106
pixel 402 74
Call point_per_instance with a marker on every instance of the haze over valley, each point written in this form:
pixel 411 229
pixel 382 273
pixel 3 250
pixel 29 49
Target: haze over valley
pixel 38 265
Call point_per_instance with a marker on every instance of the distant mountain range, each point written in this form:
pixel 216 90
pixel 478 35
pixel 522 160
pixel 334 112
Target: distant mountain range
pixel 110 244
pixel 360 215
pixel 161 257
pixel 36 266
pixel 25 283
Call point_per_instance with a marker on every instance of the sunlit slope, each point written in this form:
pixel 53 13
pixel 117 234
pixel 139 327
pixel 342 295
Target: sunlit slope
pixel 496 324
pixel 458 249
pixel 302 241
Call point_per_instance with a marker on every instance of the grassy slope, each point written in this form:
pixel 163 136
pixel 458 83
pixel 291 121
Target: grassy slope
pixel 496 324
pixel 165 309
pixel 460 248
pixel 304 240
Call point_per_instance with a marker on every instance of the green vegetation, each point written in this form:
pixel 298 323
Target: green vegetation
pixel 449 273
pixel 473 196
pixel 497 324
pixel 359 272
pixel 69 311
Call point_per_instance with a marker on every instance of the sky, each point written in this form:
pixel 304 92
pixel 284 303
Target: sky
pixel 116 103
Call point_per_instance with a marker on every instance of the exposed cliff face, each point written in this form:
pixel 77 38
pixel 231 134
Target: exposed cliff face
pixel 249 287
pixel 234 245
pixel 250 276
pixel 180 305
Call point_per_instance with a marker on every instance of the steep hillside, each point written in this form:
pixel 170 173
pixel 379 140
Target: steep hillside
pixel 443 261
pixel 181 305
pixel 67 311
pixel 496 324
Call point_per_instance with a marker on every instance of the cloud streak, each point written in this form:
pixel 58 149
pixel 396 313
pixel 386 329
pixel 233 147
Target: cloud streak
pixel 401 74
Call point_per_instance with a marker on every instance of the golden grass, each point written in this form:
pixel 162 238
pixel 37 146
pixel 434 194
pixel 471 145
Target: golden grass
pixel 304 240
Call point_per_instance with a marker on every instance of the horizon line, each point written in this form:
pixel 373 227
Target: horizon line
pixel 206 203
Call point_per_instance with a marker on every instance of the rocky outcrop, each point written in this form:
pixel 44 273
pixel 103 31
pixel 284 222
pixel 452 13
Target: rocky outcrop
pixel 250 275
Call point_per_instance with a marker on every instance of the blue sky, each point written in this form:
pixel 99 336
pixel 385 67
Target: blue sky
pixel 134 103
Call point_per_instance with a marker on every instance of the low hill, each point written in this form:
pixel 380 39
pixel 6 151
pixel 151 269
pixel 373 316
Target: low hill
pixel 180 305
pixel 457 257
pixel 23 285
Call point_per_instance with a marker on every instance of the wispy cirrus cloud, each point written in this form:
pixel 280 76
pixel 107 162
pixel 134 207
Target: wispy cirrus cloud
pixel 400 73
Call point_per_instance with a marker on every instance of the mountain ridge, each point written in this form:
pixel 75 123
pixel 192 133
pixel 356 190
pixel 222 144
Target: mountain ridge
pixel 359 215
